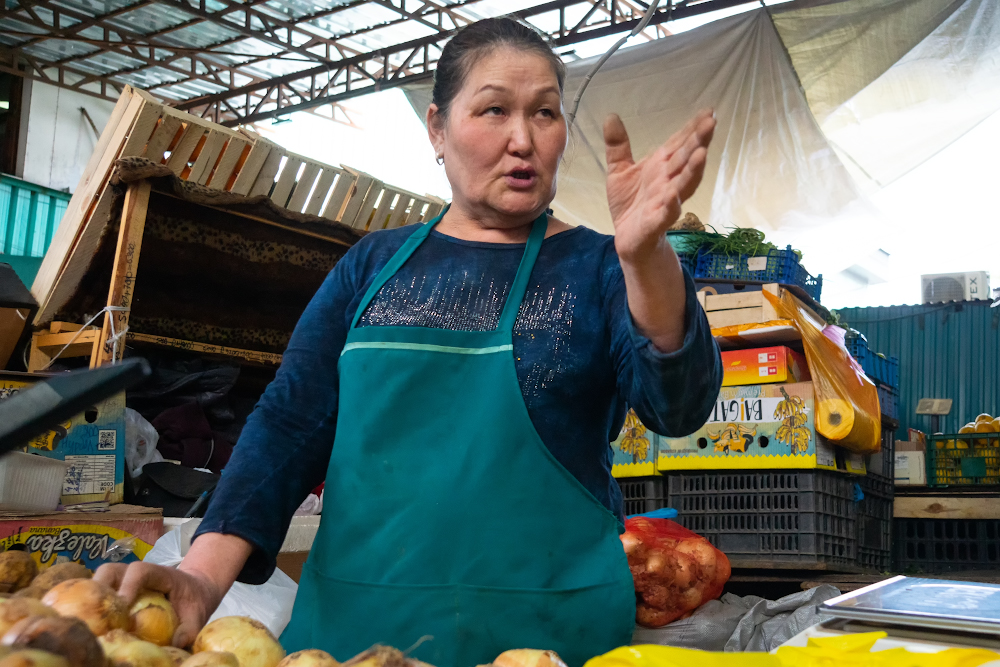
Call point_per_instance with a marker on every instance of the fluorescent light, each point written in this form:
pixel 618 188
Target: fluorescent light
pixel 4 104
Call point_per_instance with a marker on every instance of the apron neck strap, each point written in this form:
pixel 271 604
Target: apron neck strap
pixel 520 284
pixel 517 288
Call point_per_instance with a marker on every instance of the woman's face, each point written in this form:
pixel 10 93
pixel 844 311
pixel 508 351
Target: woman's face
pixel 503 138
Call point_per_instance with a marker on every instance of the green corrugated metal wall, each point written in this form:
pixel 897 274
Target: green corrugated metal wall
pixel 29 216
pixel 945 351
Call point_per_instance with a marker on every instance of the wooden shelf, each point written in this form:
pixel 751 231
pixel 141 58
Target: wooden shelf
pixel 249 356
pixel 966 506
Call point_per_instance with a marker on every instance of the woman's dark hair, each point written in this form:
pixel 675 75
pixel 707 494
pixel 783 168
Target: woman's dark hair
pixel 477 40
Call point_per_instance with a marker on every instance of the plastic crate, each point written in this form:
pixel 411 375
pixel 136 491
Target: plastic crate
pixel 782 267
pixel 642 494
pixel 770 519
pixel 873 524
pixel 945 545
pixel 881 467
pixel 884 370
pixel 888 399
pixel 972 459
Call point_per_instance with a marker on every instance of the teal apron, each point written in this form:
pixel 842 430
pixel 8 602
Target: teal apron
pixel 445 515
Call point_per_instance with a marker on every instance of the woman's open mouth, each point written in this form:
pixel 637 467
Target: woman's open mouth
pixel 521 179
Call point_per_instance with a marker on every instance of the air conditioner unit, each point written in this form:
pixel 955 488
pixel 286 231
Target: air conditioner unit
pixel 945 287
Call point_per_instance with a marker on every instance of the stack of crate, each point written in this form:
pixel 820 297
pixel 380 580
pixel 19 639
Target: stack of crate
pixel 757 480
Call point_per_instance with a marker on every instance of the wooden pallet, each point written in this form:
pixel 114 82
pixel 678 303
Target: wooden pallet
pixel 217 157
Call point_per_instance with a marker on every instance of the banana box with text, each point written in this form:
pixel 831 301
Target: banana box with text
pixel 87 538
pixel 92 442
pixel 764 426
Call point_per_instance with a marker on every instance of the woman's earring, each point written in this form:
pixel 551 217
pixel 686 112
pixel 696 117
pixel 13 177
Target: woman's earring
pixel 440 159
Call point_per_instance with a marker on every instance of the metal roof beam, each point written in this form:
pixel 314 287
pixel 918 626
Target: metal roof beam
pixel 334 91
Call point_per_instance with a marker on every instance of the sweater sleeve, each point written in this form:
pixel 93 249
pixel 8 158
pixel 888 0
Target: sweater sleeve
pixel 285 447
pixel 672 394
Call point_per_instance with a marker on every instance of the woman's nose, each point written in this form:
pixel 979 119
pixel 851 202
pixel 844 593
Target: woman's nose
pixel 520 142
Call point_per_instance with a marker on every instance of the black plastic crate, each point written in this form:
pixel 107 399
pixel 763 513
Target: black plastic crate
pixel 782 266
pixel 642 494
pixel 874 525
pixel 881 467
pixel 771 519
pixel 945 545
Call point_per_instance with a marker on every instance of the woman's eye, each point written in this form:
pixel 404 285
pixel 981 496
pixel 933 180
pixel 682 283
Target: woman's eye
pixel 494 111
pixel 548 113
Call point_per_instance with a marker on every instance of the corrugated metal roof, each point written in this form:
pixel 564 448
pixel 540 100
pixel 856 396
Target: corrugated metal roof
pixel 945 351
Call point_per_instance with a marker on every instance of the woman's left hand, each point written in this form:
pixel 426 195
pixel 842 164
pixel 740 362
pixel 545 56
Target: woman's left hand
pixel 645 197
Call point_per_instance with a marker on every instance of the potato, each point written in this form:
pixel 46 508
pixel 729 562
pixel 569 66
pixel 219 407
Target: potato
pixel 178 655
pixel 154 618
pixel 212 659
pixel 249 640
pixel 33 658
pixel 68 637
pixel 92 602
pixel 57 574
pixel 309 658
pixel 13 610
pixel 528 657
pixel 17 569
pixel 138 653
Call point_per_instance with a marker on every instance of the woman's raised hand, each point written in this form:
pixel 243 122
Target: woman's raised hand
pixel 645 197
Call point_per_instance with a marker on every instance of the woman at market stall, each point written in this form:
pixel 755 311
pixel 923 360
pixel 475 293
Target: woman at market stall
pixel 458 382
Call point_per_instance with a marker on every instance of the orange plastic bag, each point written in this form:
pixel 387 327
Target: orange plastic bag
pixel 675 571
pixel 847 408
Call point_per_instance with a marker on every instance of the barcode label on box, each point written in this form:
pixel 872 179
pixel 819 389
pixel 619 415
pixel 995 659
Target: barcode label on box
pixel 89 474
pixel 107 440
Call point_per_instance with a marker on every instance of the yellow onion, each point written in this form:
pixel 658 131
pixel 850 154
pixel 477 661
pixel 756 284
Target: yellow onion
pixel 33 658
pixel 380 656
pixel 112 640
pixel 249 640
pixel 57 574
pixel 178 655
pixel 154 618
pixel 68 637
pixel 312 657
pixel 16 609
pixel 528 657
pixel 212 659
pixel 17 569
pixel 92 602
pixel 136 653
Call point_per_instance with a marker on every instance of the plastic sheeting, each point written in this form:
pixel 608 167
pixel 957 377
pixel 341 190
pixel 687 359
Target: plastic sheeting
pixel 768 156
pixel 838 48
pixel 939 90
pixel 736 623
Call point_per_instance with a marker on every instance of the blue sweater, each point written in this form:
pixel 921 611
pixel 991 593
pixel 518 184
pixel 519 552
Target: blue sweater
pixel 580 363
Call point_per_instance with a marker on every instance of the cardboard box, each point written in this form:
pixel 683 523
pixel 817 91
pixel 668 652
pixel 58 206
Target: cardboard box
pixel 81 537
pixel 758 427
pixel 634 450
pixel 763 365
pixel 93 443
pixel 911 468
